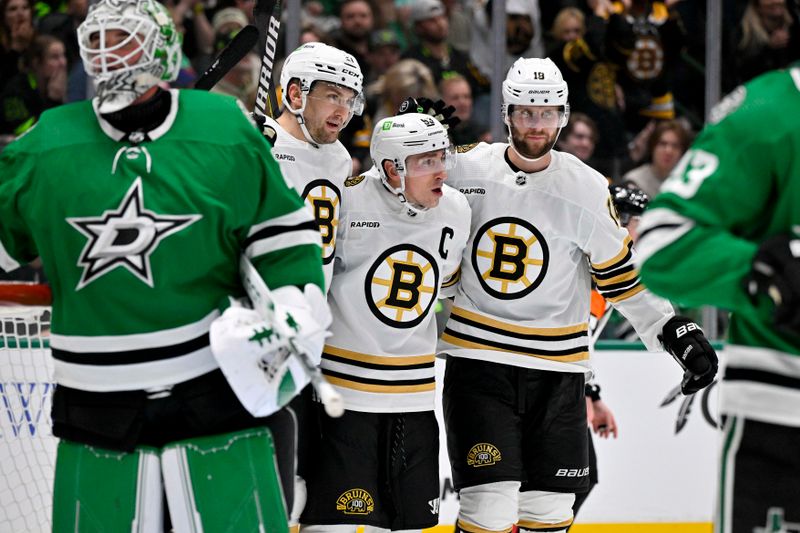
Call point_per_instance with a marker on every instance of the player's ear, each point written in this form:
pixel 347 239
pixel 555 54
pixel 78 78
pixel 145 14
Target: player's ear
pixel 295 94
pixel 390 169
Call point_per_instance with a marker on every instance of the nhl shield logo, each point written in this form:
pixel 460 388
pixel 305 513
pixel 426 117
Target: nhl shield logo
pixel 355 502
pixel 483 454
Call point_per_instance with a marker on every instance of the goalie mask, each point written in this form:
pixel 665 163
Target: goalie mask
pixel 318 62
pixel 535 82
pixel 128 47
pixel 395 139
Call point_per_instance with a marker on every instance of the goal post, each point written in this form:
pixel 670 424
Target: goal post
pixel 27 446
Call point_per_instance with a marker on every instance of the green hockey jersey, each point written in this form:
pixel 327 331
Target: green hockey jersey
pixel 141 237
pixel 738 185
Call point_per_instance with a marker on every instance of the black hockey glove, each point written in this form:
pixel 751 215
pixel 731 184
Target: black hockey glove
pixel 687 344
pixel 776 273
pixel 267 131
pixel 438 110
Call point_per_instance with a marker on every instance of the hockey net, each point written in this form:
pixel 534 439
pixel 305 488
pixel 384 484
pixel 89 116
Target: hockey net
pixel 27 446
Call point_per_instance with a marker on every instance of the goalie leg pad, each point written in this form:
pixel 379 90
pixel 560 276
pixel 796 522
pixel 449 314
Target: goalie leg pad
pixel 97 489
pixel 489 507
pixel 545 511
pixel 226 482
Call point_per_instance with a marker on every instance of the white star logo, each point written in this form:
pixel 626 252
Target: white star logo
pixel 125 237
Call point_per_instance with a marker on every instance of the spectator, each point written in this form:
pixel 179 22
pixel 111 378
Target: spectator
pixel 659 38
pixel 408 77
pixel 358 21
pixel 668 142
pixel 242 80
pixel 579 137
pixel 428 21
pixel 384 52
pixel 311 33
pixel 589 65
pixel 569 25
pixel 40 85
pixel 523 33
pixel 459 21
pixel 767 39
pixel 16 34
pixel 456 92
pixel 64 26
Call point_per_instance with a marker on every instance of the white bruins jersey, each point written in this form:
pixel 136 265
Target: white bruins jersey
pixel 318 175
pixel 390 269
pixel 536 243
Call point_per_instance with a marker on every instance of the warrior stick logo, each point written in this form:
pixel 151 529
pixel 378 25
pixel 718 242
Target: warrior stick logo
pixel 355 501
pixel 265 75
pixel 483 454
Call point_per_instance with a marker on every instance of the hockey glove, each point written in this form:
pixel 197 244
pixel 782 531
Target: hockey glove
pixel 438 110
pixel 267 131
pixel 776 273
pixel 687 344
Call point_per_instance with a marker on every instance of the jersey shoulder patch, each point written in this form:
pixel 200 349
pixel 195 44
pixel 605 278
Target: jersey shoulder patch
pixel 463 148
pixel 354 180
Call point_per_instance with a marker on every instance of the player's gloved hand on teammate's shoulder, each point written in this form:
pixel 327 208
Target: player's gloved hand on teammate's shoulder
pixel 687 344
pixel 267 131
pixel 775 272
pixel 438 110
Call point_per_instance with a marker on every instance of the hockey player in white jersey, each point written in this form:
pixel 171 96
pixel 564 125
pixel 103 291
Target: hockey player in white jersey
pixel 543 226
pixel 322 90
pixel 400 246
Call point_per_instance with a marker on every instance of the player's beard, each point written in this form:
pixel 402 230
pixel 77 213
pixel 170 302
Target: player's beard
pixel 530 149
pixel 320 132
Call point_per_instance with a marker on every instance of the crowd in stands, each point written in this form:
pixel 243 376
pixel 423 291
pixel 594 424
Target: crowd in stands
pixel 634 67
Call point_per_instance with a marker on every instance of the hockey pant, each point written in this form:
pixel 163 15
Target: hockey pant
pixel 218 483
pixel 496 507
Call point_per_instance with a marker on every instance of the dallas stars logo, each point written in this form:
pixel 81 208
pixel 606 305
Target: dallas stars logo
pixel 125 237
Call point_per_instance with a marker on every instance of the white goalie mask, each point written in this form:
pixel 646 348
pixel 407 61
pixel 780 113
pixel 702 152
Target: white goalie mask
pixel 313 62
pixel 535 82
pixel 128 46
pixel 396 138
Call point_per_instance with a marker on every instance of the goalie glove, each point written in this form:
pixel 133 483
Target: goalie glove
pixel 258 358
pixel 775 272
pixel 438 110
pixel 687 344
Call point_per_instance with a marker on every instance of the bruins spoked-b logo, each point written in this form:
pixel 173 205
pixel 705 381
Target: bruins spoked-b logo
pixel 324 198
pixel 355 501
pixel 401 285
pixel 510 257
pixel 483 454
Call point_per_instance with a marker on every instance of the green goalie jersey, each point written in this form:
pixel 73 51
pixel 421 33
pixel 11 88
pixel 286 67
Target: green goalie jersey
pixel 737 186
pixel 140 237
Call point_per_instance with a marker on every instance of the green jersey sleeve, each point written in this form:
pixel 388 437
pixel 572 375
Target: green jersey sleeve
pixel 699 235
pixel 16 244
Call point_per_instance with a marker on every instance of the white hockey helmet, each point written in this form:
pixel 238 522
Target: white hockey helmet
pixel 538 82
pixel 313 62
pixel 396 138
pixel 156 56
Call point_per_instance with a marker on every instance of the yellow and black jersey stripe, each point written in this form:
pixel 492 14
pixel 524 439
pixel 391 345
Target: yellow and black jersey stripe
pixel 452 279
pixel 468 329
pixel 377 373
pixel 618 279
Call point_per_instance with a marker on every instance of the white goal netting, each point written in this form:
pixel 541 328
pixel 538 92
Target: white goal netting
pixel 27 447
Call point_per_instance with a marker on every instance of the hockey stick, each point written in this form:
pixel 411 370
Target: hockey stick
pixel 240 46
pixel 267 14
pixel 261 296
